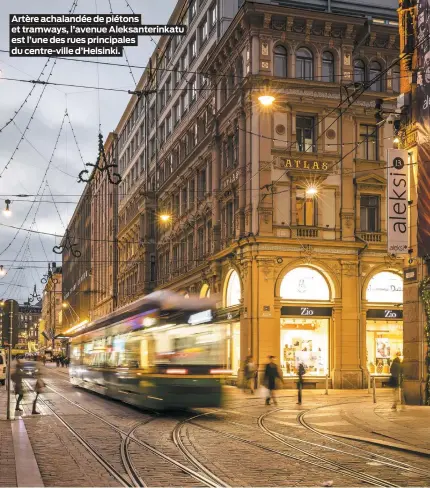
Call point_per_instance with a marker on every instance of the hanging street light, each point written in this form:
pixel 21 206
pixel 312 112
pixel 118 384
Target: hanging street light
pixel 6 211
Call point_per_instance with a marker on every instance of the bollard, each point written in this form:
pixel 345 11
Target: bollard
pixel 374 390
pixel 369 379
pixel 326 384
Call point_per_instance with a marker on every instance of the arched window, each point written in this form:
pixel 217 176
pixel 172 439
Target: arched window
pixel 375 70
pixel 230 82
pixel 233 293
pixel 304 283
pixel 359 71
pixel 280 61
pixel 395 77
pixel 328 67
pixel 304 64
pixel 385 287
pixel 205 291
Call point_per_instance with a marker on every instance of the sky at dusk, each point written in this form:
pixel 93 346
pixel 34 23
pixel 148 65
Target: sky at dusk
pixel 24 255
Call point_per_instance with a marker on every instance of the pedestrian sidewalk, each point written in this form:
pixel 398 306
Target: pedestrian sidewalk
pixel 18 466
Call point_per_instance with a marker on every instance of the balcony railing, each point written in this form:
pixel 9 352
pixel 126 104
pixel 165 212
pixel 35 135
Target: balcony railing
pixel 372 237
pixel 307 232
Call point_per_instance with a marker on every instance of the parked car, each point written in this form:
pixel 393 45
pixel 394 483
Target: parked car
pixel 2 367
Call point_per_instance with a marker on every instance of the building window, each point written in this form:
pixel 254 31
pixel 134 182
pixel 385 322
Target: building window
pixel 193 90
pixel 359 71
pixel 168 125
pixel 184 102
pixel 233 294
pixel 328 67
pixel 203 30
pixel 177 74
pixel 306 208
pixel 305 133
pixel 304 64
pixel 213 15
pixel 369 213
pixel 184 62
pixel 395 78
pixel 176 113
pixel 193 48
pixel 280 61
pixel 200 242
pixel 374 71
pixel 192 9
pixel 368 148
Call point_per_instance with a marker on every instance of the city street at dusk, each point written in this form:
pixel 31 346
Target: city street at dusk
pixel 215 243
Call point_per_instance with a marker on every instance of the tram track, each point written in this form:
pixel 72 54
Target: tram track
pixel 207 478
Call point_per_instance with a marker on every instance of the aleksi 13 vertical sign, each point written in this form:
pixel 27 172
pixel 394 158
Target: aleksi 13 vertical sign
pixel 398 201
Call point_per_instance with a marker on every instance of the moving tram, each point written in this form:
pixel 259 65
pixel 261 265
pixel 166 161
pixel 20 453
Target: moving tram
pixel 160 352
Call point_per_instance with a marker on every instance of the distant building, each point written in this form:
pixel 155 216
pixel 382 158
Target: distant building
pixel 77 268
pixel 51 309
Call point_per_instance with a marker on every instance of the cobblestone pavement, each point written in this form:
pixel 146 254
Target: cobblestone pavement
pixel 82 439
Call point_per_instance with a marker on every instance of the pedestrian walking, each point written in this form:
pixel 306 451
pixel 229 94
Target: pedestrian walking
pixel 62 361
pixel 271 375
pixel 67 362
pixel 396 379
pixel 44 360
pixel 40 385
pixel 250 374
pixel 57 360
pixel 17 378
pixel 301 371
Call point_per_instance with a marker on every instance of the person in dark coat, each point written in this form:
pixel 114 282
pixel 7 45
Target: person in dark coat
pixel 396 378
pixel 301 371
pixel 271 374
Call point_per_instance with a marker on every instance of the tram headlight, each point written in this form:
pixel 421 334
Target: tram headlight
pixel 176 371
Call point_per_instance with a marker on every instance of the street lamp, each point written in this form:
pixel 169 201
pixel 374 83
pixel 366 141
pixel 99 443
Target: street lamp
pixel 165 218
pixel 2 270
pixel 6 211
pixel 396 140
pixel 65 304
pixel 311 190
pixel 266 100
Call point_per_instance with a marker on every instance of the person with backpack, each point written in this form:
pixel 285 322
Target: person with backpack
pixel 300 371
pixel 250 373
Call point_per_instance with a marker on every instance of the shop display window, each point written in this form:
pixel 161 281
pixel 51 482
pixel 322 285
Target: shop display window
pixel 383 340
pixel 233 346
pixel 306 341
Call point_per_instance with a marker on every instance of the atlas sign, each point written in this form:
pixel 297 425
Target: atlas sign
pixel 397 201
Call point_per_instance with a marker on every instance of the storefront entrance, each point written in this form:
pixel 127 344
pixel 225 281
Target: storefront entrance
pixel 305 323
pixel 384 322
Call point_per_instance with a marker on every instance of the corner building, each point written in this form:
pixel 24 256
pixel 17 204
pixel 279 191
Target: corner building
pixel 277 212
pixel 302 276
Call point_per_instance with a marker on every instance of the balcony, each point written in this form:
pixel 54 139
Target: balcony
pixel 373 237
pixel 306 232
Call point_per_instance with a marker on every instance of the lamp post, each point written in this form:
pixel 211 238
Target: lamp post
pixel 9 305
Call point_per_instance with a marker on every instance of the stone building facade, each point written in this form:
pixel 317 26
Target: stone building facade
pixel 280 212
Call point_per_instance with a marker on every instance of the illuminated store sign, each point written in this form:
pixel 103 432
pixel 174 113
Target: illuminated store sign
pixel 306 311
pixel 397 201
pixel 385 314
pixel 385 287
pixel 306 164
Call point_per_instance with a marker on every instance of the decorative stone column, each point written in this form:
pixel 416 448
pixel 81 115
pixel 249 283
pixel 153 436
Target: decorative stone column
pixel 242 171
